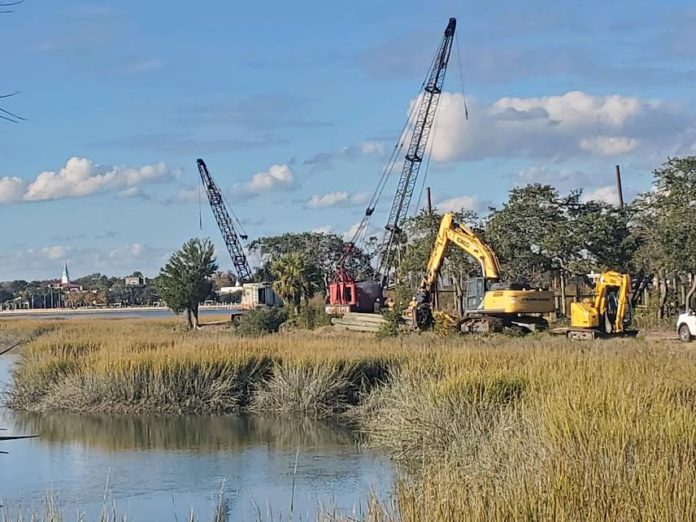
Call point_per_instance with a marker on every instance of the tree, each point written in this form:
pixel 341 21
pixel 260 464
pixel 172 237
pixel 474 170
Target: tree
pixel 296 279
pixel 606 237
pixel 184 282
pixel 666 225
pixel 532 233
pixel 326 249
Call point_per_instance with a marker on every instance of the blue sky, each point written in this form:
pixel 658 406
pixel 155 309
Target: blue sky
pixel 294 105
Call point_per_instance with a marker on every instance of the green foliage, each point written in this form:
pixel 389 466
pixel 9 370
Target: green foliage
pixel 605 236
pixel 390 328
pixel 666 218
pixel 532 233
pixel 296 278
pixel 311 317
pixel 184 282
pixel 324 249
pixel 261 321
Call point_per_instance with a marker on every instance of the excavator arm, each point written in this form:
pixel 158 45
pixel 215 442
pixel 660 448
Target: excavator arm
pixel 614 283
pixel 451 232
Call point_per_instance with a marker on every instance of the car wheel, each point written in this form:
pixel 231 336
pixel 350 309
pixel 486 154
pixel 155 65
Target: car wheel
pixel 684 333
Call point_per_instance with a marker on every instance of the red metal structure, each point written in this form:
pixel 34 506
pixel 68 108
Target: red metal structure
pixel 345 294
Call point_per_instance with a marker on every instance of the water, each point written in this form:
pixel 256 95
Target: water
pixel 161 468
pixel 114 313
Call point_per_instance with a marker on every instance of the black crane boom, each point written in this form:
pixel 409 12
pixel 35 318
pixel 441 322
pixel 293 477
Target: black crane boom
pixel 222 216
pixel 416 150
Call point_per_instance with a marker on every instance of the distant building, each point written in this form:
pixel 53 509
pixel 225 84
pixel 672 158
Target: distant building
pixel 65 283
pixel 134 281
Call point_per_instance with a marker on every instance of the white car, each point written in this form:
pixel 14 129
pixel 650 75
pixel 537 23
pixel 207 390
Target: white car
pixel 686 326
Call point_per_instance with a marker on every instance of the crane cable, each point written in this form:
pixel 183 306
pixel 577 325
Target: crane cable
pixel 200 208
pixel 244 236
pixel 360 233
pixel 461 76
pixel 434 134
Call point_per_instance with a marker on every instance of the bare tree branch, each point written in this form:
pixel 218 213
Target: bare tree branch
pixel 4 113
pixel 9 4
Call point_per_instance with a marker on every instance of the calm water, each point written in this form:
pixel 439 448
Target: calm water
pixel 126 313
pixel 159 468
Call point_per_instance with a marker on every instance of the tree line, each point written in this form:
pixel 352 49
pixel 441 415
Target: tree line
pixel 540 236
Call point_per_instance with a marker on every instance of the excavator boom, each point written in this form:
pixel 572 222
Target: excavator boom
pixel 451 232
pixel 489 306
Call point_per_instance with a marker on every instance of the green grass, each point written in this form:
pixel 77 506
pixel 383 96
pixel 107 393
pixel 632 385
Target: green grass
pixel 491 428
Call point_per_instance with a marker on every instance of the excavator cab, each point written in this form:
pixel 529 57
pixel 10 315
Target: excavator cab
pixel 475 291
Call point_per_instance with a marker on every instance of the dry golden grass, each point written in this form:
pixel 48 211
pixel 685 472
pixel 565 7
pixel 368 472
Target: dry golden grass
pixel 537 428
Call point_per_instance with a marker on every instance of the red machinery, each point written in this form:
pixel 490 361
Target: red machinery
pixel 346 294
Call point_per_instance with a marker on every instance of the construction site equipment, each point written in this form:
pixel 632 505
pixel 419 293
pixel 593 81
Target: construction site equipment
pixel 345 294
pixel 254 295
pixel 225 224
pixel 359 322
pixel 489 304
pixel 609 314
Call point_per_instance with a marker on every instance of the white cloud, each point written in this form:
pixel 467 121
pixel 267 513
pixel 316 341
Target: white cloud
pixel 606 193
pixel 133 192
pixel 277 177
pixel 371 147
pixel 186 195
pixel 11 189
pixel 337 199
pixel 132 251
pixel 559 127
pixel 328 200
pixel 563 179
pixel 608 145
pixel 460 203
pixel 82 177
pixel 56 252
pixel 46 262
pixel 349 234
pixel 326 229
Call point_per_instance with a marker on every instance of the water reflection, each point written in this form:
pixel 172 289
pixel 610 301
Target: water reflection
pixel 192 433
pixel 159 468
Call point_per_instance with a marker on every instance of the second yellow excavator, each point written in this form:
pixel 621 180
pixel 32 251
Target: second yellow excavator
pixel 490 305
pixel 610 313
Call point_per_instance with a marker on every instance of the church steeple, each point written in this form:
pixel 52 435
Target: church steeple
pixel 66 275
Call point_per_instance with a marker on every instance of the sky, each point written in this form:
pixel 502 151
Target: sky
pixel 295 106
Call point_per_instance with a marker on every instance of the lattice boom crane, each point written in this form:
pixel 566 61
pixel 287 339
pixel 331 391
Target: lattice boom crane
pixel 416 150
pixel 345 294
pixel 222 216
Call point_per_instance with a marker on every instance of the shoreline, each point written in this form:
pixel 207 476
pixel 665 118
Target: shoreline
pixel 110 310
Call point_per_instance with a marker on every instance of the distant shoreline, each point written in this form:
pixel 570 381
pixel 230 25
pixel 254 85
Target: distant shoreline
pixel 88 310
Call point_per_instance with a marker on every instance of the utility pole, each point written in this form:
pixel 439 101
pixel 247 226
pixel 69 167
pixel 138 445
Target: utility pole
pixel 619 190
pixel 428 201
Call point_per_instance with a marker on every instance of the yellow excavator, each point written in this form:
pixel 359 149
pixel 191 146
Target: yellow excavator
pixel 490 305
pixel 609 314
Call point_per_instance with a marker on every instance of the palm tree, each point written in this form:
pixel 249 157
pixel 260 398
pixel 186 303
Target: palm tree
pixel 296 279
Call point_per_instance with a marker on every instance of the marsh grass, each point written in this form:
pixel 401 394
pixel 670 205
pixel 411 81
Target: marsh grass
pixel 490 428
